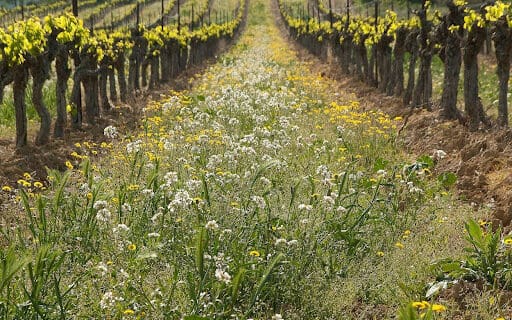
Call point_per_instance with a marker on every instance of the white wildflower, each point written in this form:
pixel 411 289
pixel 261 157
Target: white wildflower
pixel 157 216
pixel 292 243
pixel 171 178
pixel 110 132
pixel 259 201
pixel 281 241
pixel 120 228
pixel 341 209
pixel 134 147
pixel 328 200
pixel 381 173
pixel 126 207
pixel 306 207
pixel 108 300
pixel 222 276
pixel 103 268
pixel 212 225
pixel 100 204
pixel 103 215
pixel 148 193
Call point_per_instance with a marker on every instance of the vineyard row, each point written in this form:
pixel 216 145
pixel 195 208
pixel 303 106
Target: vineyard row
pixel 100 60
pixel 376 49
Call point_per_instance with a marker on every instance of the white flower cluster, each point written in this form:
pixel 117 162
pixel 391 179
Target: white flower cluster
pixel 110 132
pixel 134 147
pixel 103 214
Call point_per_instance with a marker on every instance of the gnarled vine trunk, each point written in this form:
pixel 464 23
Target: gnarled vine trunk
pixel 144 72
pixel 472 45
pixel 90 81
pixel 346 53
pixel 6 77
pixel 40 70
pixel 422 94
pixel 63 73
pixel 121 76
pixel 112 82
pixel 452 58
pixel 155 72
pixel 384 55
pixel 372 75
pixel 396 81
pixel 412 47
pixel 135 61
pixel 20 79
pixel 103 81
pixel 76 92
pixel 165 63
pixel 502 37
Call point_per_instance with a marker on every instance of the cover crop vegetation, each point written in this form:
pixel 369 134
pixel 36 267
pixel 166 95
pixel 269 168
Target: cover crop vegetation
pixel 258 194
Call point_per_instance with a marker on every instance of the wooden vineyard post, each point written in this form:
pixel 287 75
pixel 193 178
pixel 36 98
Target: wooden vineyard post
pixel 77 94
pixel 348 12
pixel 75 7
pixel 375 49
pixel 137 21
pixel 192 18
pixel 330 13
pixel 162 22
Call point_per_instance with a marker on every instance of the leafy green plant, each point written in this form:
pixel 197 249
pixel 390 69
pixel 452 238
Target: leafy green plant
pixel 488 257
pixel 447 179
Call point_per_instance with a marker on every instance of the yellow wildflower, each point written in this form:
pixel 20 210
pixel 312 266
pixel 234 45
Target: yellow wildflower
pixel 438 308
pixel 132 247
pixel 399 245
pixel 6 189
pixel 133 187
pixel 38 184
pixel 421 305
pixel 24 183
pixel 69 165
pixel 254 253
pixel 128 312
